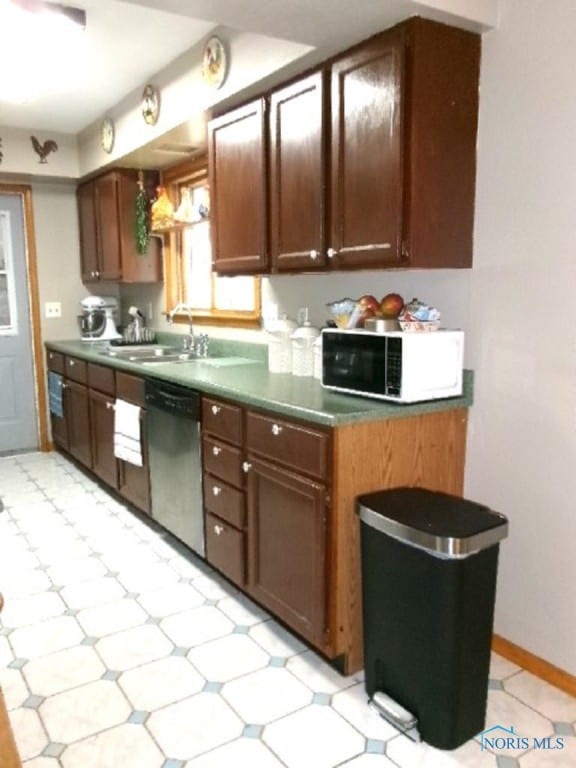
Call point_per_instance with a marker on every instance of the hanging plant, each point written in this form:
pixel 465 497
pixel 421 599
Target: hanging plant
pixel 142 223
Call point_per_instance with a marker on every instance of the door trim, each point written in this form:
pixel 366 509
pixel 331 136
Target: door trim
pixel 24 192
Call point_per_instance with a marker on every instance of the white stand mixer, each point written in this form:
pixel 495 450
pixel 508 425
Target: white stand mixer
pixel 99 318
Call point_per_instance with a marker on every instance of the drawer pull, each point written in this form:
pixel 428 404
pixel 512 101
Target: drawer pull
pixel 215 410
pixel 216 451
pixel 246 466
pixel 71 363
pixel 276 429
pixel 216 490
pixel 218 529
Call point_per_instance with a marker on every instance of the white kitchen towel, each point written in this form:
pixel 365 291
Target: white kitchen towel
pixel 127 439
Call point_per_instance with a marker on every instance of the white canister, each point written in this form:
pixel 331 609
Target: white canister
pixel 318 358
pixel 280 345
pixel 303 340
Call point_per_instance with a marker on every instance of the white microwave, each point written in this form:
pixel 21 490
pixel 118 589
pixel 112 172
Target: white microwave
pixel 402 367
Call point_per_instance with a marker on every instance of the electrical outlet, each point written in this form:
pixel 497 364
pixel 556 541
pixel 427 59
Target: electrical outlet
pixel 149 313
pixel 52 309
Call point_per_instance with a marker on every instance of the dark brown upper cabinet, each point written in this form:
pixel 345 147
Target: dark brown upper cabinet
pixel 238 169
pixel 366 155
pixel 298 142
pixel 371 162
pixel 107 218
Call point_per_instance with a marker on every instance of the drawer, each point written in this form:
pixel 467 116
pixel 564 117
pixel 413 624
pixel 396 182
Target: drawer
pixel 222 419
pixel 224 501
pixel 130 388
pixel 101 377
pixel 75 369
pixel 294 445
pixel 225 548
pixel 222 461
pixel 55 361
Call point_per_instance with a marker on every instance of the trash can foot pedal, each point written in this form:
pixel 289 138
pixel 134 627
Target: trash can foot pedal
pixel 395 714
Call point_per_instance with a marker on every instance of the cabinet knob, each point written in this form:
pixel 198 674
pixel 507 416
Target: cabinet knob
pixel 97 274
pixel 314 255
pixel 215 409
pixel 246 466
pixel 110 406
pixel 71 363
pixel 218 529
pixel 64 385
pixel 50 356
pixel 276 429
pixel 216 451
pixel 216 490
pixel 331 252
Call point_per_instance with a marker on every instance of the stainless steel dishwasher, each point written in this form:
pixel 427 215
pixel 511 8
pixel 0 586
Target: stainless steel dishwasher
pixel 175 463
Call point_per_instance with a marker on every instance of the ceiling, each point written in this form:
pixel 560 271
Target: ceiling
pixel 128 41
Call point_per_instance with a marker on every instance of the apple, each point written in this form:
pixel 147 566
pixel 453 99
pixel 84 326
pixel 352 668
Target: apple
pixel 391 305
pixel 369 303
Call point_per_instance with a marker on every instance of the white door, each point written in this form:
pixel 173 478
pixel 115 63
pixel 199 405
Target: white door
pixel 18 409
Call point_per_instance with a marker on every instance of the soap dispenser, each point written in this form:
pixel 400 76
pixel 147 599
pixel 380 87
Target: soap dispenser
pixel 303 340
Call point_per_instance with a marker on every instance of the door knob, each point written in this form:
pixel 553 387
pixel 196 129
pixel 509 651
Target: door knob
pixel 246 466
pixel 216 451
pixel 314 255
pixel 276 429
pixel 218 529
pixel 215 409
pixel 216 490
pixel 331 252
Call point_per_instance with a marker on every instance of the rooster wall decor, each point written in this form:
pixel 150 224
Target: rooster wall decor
pixel 43 150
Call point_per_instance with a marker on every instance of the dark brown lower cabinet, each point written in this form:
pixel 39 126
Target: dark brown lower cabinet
pixel 77 414
pixel 102 432
pixel 287 547
pixel 134 481
pixel 59 427
pixel 225 548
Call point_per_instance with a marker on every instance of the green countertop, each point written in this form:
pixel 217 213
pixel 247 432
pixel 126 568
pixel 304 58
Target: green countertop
pixel 248 381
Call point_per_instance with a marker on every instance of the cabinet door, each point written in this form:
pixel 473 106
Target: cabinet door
pixel 108 226
pixel 287 547
pixel 238 182
pixel 78 420
pixel 134 481
pixel 102 431
pixel 366 159
pixel 297 173
pixel 86 197
pixel 136 267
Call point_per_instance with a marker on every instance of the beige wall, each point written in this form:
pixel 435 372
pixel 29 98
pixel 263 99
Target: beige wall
pixel 522 443
pixel 58 256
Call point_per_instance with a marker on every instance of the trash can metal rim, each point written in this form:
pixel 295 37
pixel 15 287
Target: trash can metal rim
pixel 449 547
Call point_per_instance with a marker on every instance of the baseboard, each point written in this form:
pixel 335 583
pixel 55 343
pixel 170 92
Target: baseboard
pixel 534 664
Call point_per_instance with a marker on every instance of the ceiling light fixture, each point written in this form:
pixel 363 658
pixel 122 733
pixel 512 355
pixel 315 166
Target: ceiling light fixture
pixel 41 47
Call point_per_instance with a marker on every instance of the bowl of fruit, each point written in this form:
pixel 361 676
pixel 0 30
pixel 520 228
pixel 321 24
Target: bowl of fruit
pixel 367 311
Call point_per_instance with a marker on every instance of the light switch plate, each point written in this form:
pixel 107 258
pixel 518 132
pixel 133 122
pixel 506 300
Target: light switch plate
pixel 52 309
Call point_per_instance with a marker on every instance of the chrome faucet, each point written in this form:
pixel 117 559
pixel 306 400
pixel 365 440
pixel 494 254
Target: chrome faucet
pixel 188 339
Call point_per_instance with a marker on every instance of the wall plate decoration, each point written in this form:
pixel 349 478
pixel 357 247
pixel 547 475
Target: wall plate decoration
pixel 107 134
pixel 215 62
pixel 150 104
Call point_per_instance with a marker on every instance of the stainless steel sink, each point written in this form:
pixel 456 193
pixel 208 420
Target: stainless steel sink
pixel 150 354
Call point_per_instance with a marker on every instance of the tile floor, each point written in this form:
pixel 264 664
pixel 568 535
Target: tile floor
pixel 119 649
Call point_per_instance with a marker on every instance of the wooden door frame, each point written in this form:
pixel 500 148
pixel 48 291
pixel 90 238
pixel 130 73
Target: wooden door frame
pixel 24 192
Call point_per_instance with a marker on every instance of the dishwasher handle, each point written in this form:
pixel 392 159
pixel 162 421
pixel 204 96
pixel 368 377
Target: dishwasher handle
pixel 173 398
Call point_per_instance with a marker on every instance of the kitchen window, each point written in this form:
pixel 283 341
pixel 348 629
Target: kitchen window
pixel 190 282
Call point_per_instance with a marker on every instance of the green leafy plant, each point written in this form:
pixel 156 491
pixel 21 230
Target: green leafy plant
pixel 142 218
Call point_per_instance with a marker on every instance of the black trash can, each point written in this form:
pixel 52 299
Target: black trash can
pixel 429 564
